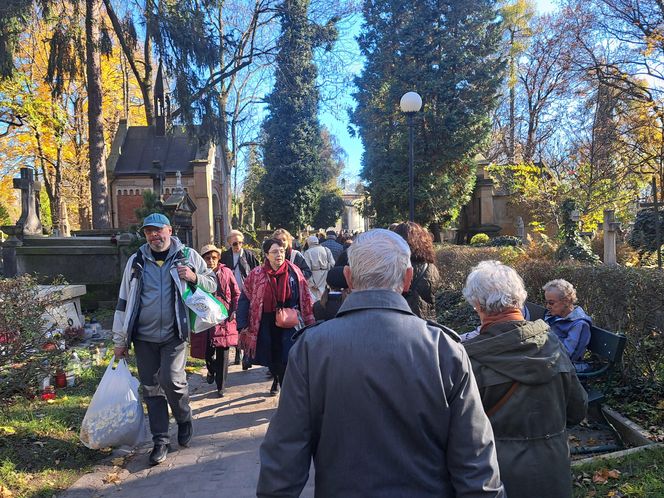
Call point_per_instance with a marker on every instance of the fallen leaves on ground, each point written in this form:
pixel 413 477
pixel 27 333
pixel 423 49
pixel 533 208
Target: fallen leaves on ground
pixel 112 478
pixel 603 475
pixel 5 493
pixel 118 462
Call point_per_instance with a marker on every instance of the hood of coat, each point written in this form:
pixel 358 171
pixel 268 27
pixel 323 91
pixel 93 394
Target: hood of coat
pixel 525 352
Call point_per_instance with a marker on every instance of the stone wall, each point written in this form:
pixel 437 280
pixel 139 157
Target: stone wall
pixel 96 262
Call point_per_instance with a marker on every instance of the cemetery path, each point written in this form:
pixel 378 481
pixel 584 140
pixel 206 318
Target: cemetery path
pixel 222 459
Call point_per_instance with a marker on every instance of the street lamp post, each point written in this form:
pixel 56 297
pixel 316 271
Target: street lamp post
pixel 410 103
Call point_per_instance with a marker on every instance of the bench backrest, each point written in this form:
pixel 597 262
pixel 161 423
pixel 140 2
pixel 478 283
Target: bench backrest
pixel 606 344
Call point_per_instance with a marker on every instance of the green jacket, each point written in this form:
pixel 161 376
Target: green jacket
pixel 530 428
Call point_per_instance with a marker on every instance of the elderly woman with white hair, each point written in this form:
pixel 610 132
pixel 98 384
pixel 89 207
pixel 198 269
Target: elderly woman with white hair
pixel 569 322
pixel 528 385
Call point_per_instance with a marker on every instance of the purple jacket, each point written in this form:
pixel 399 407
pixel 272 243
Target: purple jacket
pixel 572 330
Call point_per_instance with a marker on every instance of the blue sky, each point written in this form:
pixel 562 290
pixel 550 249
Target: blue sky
pixel 337 121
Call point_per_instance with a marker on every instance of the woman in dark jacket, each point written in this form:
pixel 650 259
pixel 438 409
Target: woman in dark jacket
pixel 276 284
pixel 528 386
pixel 426 280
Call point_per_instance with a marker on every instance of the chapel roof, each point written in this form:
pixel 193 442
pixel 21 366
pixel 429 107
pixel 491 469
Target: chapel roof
pixel 140 148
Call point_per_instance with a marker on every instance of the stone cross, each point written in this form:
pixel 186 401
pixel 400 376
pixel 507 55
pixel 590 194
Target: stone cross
pixel 610 227
pixel 29 218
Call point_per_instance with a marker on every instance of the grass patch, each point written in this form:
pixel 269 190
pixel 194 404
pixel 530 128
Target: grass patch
pixel 40 452
pixel 638 476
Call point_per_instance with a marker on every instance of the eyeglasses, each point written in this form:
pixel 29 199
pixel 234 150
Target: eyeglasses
pixel 277 252
pixel 235 244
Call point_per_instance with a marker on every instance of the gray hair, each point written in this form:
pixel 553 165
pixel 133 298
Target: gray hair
pixel 234 233
pixel 378 259
pixel 494 287
pixel 563 288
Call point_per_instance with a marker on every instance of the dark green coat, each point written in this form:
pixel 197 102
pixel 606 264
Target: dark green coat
pixel 530 428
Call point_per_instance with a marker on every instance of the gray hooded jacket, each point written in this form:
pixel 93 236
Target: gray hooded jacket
pixel 150 307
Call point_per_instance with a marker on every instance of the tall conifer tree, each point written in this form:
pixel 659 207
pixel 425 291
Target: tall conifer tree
pixel 292 144
pixel 447 51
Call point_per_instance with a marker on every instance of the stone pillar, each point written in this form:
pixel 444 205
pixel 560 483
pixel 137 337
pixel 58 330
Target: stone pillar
pixel 610 227
pixel 9 260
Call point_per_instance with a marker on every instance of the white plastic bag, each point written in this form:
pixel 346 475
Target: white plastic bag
pixel 115 415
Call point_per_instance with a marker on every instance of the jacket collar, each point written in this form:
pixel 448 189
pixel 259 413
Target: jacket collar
pixel 374 299
pixel 175 246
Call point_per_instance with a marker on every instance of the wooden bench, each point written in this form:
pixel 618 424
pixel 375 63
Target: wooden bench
pixel 605 347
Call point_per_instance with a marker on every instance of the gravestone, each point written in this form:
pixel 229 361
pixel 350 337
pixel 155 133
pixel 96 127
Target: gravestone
pixel 520 229
pixel 610 227
pixel 29 218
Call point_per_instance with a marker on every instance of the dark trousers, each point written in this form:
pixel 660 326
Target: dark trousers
pixel 216 361
pixel 277 367
pixel 162 375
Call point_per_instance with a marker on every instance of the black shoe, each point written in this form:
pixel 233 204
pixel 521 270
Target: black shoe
pixel 274 390
pixel 220 393
pixel 210 378
pixel 246 364
pixel 159 453
pixel 185 432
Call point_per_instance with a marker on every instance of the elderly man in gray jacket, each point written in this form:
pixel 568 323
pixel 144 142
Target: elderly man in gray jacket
pixel 151 314
pixel 384 402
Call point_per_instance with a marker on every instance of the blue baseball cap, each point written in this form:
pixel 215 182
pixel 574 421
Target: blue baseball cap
pixel 156 220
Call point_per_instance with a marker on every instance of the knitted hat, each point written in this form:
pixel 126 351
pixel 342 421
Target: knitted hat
pixel 312 240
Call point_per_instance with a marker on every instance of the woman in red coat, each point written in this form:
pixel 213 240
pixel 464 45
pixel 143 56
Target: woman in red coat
pixel 213 344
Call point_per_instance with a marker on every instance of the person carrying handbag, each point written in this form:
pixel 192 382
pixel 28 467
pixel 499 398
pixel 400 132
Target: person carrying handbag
pixel 276 285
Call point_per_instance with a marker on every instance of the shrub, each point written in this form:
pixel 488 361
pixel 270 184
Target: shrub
pixel 620 299
pixel 455 262
pixel 505 240
pixel 479 238
pixel 27 354
pixel 617 298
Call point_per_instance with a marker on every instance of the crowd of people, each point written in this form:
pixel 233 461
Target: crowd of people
pixel 370 385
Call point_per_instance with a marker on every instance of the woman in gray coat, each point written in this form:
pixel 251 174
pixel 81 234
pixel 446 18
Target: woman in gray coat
pixel 528 386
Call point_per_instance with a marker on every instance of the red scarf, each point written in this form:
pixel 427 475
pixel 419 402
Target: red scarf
pixel 508 315
pixel 278 291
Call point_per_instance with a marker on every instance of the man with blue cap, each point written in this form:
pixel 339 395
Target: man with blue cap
pixel 152 315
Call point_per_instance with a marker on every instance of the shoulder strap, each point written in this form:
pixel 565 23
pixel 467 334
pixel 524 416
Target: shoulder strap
pixel 492 411
pixel 137 264
pixel 419 278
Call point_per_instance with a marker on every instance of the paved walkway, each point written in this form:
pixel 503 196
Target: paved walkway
pixel 222 459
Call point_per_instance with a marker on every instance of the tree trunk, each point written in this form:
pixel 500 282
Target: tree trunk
pixel 511 153
pixel 226 160
pixel 101 217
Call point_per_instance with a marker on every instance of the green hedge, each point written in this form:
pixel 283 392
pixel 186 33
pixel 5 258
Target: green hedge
pixel 624 299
